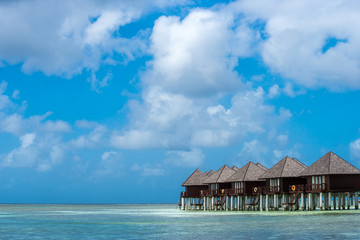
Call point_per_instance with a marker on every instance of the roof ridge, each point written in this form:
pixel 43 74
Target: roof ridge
pixel 222 169
pixel 192 175
pixel 329 168
pixel 282 170
pixel 249 163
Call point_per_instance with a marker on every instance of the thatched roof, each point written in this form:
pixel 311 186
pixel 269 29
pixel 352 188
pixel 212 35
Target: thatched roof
pixel 220 175
pixel 249 172
pixel 286 167
pixel 235 168
pixel 196 179
pixel 209 173
pixel 262 166
pixel 329 164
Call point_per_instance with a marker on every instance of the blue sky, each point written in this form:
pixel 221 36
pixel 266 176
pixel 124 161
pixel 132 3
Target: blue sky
pixel 120 101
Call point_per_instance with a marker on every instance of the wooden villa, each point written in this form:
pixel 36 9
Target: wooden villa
pixel 194 184
pixel 216 195
pixel 288 185
pixel 243 181
pixel 331 178
pixel 283 174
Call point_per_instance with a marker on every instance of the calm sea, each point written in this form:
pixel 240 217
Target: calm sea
pixel 166 222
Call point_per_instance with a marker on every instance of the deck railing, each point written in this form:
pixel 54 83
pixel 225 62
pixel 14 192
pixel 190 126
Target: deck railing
pixel 297 188
pixel 315 187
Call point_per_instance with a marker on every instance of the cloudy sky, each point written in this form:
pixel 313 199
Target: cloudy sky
pixel 120 101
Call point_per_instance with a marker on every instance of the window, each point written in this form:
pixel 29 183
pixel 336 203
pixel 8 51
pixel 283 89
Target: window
pixel 214 186
pixel 274 184
pixel 239 187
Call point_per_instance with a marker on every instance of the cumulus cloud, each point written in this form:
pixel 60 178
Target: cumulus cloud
pixel 65 37
pixel 313 43
pixel 193 158
pixel 197 55
pixel 355 149
pixel 147 170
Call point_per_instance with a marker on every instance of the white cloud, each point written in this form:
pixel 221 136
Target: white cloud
pixel 93 139
pixel 355 149
pixel 147 170
pixel 27 139
pixel 193 158
pixel 65 37
pixel 197 55
pixel 296 34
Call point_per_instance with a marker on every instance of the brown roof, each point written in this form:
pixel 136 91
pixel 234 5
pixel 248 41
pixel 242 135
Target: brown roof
pixel 211 172
pixel 286 167
pixel 262 166
pixel 220 175
pixel 249 172
pixel 235 168
pixel 329 164
pixel 196 179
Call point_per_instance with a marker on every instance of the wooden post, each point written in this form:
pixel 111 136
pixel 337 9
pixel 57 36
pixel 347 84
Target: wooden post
pixel 356 200
pixel 334 200
pixel 182 203
pixel 321 201
pixel 261 202
pixel 310 202
pixel 232 203
pixel 267 202
pixel 339 200
pixel 343 201
pixel 276 202
pixel 329 201
pixel 303 200
pixel 348 200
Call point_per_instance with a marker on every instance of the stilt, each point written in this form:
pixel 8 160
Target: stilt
pixel 348 201
pixel 356 200
pixel 329 201
pixel 310 202
pixel 232 203
pixel 303 200
pixel 343 201
pixel 276 202
pixel 267 202
pixel 182 203
pixel 238 203
pixel 339 200
pixel 334 200
pixel 261 202
pixel 321 201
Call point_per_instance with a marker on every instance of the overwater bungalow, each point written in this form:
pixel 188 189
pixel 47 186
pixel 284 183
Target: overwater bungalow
pixel 194 185
pixel 283 174
pixel 331 179
pixel 243 181
pixel 288 185
pixel 217 187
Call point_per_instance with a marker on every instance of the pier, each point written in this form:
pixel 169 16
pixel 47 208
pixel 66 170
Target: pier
pixel 330 183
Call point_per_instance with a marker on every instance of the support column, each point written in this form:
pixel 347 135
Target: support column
pixel 329 201
pixel 182 203
pixel 261 202
pixel 339 200
pixel 356 200
pixel 321 201
pixel 284 200
pixel 232 203
pixel 276 202
pixel 310 202
pixel 334 200
pixel 343 201
pixel 348 201
pixel 267 202
pixel 303 202
pixel 238 203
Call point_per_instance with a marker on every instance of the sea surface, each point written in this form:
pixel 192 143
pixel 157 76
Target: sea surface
pixel 167 222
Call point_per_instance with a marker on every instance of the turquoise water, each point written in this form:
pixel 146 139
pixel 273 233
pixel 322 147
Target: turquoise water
pixel 166 222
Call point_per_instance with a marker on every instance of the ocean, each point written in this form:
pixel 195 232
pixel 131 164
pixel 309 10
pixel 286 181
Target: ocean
pixel 165 221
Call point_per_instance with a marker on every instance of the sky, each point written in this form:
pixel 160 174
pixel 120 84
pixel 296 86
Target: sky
pixel 120 101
